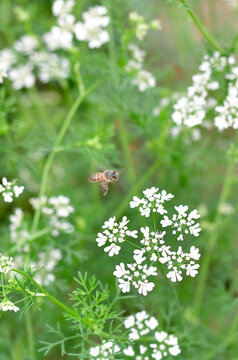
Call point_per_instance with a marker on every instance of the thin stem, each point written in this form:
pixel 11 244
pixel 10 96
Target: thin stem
pixel 231 337
pixel 30 335
pixel 51 157
pixel 213 239
pixel 123 133
pixel 50 297
pixel 137 246
pixel 154 222
pixel 3 290
pixel 200 26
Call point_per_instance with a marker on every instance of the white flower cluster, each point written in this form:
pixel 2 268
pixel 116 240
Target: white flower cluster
pixel 136 274
pixel 228 111
pixel 6 305
pixel 154 248
pixel 141 78
pixel 145 341
pixel 191 109
pixel 183 223
pixel 9 190
pixel 140 26
pixel 105 351
pixel 46 263
pixel 114 234
pixel 56 209
pixel 163 345
pixel 18 232
pixel 40 61
pixel 5 264
pixel 93 29
pixel 152 202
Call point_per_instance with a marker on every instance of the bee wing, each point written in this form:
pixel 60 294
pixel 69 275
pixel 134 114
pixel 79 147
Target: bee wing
pixel 104 186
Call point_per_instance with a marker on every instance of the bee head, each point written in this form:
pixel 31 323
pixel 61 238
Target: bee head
pixel 113 175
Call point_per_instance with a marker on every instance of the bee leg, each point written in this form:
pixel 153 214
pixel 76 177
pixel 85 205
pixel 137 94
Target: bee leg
pixel 104 186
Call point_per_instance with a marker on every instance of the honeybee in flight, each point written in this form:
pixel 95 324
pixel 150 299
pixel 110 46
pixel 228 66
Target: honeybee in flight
pixel 104 178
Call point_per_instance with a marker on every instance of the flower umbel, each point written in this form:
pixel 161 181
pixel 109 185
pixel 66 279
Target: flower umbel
pixel 114 234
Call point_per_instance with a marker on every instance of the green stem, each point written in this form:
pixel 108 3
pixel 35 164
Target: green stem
pixel 30 335
pixel 200 26
pixel 50 297
pixel 123 132
pixel 229 339
pixel 3 286
pixel 213 239
pixel 131 243
pixel 51 156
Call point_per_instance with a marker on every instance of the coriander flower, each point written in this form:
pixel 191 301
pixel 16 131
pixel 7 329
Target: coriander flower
pixel 50 66
pixel 114 234
pixel 179 262
pixel 22 77
pixel 67 22
pixel 9 190
pixel 26 44
pixel 7 59
pixel 136 274
pixel 161 347
pixel 96 16
pixel 152 202
pixel 144 80
pixel 95 36
pixel 152 242
pixel 3 74
pixel 62 7
pixel 140 324
pixel 104 351
pixel 5 264
pixel 191 108
pixel 46 262
pixel 58 38
pixel 55 210
pixel 183 223
pixel 18 232
pixel 6 305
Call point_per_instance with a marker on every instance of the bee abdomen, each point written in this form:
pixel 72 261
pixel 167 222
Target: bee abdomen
pixel 94 177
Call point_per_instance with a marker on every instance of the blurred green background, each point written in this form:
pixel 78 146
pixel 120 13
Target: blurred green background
pixel 115 129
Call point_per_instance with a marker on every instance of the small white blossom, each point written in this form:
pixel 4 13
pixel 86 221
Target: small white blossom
pixel 18 233
pixel 135 275
pixel 26 44
pixel 226 209
pixel 9 190
pixel 50 66
pixel 5 264
pixel 183 223
pixel 95 36
pixel 96 17
pixel 144 80
pixel 22 77
pixel 114 234
pixel 56 209
pixel 62 7
pixel 104 351
pixel 46 262
pixel 7 59
pixel 152 202
pixel 6 305
pixel 58 38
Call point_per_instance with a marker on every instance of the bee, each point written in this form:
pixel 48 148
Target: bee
pixel 104 178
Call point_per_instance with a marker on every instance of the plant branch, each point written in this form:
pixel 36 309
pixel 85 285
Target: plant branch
pixel 213 238
pixel 202 29
pixel 50 297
